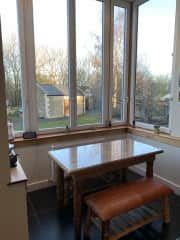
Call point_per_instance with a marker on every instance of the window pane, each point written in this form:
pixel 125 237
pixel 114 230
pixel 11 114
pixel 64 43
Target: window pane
pixel 154 61
pixel 89 61
pixel 11 59
pixel 50 23
pixel 118 64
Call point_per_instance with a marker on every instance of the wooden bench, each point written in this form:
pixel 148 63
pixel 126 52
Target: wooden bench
pixel 125 205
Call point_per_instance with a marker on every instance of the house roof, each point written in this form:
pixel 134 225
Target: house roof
pixel 65 90
pixel 58 90
pixel 51 90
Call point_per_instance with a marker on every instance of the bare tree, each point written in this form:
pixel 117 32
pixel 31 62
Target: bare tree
pixel 51 66
pixel 12 71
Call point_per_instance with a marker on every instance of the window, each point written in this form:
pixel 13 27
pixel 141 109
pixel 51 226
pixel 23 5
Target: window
pixel 156 22
pixel 12 65
pixel 50 30
pixel 71 72
pixel 89 61
pixel 119 67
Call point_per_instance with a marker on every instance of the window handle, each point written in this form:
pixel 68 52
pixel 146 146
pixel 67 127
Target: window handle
pixel 124 100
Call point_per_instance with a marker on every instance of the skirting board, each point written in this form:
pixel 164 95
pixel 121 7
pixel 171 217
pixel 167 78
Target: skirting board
pixel 141 171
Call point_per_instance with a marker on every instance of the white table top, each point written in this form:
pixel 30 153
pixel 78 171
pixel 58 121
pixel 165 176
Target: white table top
pixel 73 159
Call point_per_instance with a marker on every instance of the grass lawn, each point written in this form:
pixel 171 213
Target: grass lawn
pixel 85 119
pixel 53 123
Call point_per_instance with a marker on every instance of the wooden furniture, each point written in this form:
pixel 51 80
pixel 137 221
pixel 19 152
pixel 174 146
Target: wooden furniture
pixel 90 185
pixel 110 205
pixel 13 207
pixel 17 174
pixel 92 160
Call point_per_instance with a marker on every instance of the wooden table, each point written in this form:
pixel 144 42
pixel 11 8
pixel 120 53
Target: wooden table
pixel 92 160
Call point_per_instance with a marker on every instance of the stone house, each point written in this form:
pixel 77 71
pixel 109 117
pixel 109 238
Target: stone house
pixel 53 101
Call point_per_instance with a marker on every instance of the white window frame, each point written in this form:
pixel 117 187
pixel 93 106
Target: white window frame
pixel 104 113
pixel 27 54
pixel 28 72
pixel 148 126
pixel 34 119
pixel 175 103
pixel 71 14
pixel 106 73
pixel 125 99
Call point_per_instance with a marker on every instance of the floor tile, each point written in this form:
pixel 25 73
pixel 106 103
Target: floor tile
pixel 47 221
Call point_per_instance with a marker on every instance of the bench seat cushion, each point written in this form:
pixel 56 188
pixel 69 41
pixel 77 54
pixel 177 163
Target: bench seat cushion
pixel 120 199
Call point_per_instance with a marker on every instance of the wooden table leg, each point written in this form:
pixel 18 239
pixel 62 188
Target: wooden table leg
pixel 77 208
pixel 166 210
pixel 149 168
pixel 60 186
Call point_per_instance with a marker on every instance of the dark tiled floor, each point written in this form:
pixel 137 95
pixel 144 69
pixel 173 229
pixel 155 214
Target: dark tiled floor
pixel 48 222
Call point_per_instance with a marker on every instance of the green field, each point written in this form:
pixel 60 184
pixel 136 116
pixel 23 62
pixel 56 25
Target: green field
pixel 54 123
pixel 85 119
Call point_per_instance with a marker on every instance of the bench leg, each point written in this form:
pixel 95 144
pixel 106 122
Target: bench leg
pixel 87 225
pixel 166 210
pixel 166 231
pixel 124 173
pixel 105 231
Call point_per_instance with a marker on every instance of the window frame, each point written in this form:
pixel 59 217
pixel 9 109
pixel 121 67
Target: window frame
pixel 27 55
pixel 175 103
pixel 28 72
pixel 104 117
pixel 22 82
pixel 148 126
pixel 126 6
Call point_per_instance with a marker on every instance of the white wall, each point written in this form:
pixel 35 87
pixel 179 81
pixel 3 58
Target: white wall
pixel 167 164
pixel 37 164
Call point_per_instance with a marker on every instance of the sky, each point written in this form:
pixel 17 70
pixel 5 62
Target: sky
pixel 156 27
pixel 51 26
pixel 156 34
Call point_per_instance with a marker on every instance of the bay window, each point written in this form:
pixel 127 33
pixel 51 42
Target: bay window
pixel 72 67
pixel 155 41
pixel 66 73
pixel 69 78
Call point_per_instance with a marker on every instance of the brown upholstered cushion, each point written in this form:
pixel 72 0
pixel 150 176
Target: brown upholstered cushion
pixel 120 199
